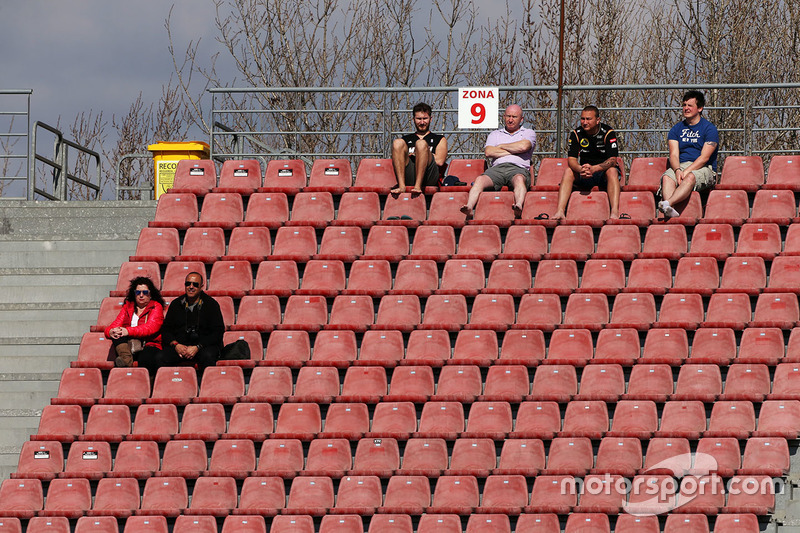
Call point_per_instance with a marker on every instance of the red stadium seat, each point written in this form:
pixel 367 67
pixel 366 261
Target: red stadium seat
pixel 538 207
pixel 462 276
pixel 157 422
pixel 588 208
pixel 603 275
pixel 175 210
pixel 441 420
pixel 522 347
pixel 411 206
pixel 726 310
pixel 667 241
pixel 683 419
pixel 369 277
pixel 387 242
pixel 456 495
pixel 304 312
pixel 430 347
pixel 79 386
pixel 176 385
pixel 742 172
pixel 726 207
pixel 570 347
pixel 422 457
pixel 698 382
pixel 341 243
pixel 317 385
pixel 298 421
pixel 586 311
pixel 496 523
pixel 773 207
pixel 747 382
pixel 667 456
pixel 640 206
pixel 184 458
pixel 157 244
pixel 375 175
pixel 554 383
pixel 444 312
pixel 712 345
pixel 552 494
pixel 357 495
pixel 336 348
pixel 784 173
pixel 539 311
pixel 379 457
pixel 690 210
pixel 712 240
pixel 331 175
pixel 136 459
pixel 352 312
pixel 194 176
pixel 618 242
pixel 506 383
pixel 494 207
pixel 766 456
pixel 360 209
pixel 680 311
pixel 666 345
pixel 617 346
pixel 779 418
pixel 234 458
pixel 60 422
pixel 556 276
pixel 20 498
pixel 280 458
pixel 345 523
pixel 472 457
pixel 762 240
pixel 276 277
pixel 650 382
pixel 445 208
pixel 492 311
pixel 261 495
pixel 460 383
pixel 509 276
pixel 202 244
pixel 521 456
pixel 285 175
pixel 323 277
pixel 411 383
pixel 247 524
pixel 689 523
pixel 719 455
pixel 525 242
pixel 251 244
pixel 645 174
pixel 416 277
pixel 384 348
pixel 109 423
pixel 600 494
pixel 466 169
pixel 584 419
pixel 602 382
pixel 67 497
pixel 737 523
pixel 267 209
pixel 761 345
pixel 776 310
pixel 433 242
pixel 551 170
pixel 783 273
pixel 759 498
pixel 571 242
pixel 97 524
pixel 240 176
pixel 731 419
pixel 116 497
pixel 312 495
pixel 312 209
pixel 148 523
pixel 479 242
pixel 619 456
pixel 199 524
pixel 439 523
pixel 225 210
pixel 367 384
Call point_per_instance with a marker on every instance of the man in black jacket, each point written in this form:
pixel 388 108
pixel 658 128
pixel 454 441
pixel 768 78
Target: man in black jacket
pixel 192 330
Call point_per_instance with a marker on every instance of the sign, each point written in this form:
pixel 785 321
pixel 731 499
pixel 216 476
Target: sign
pixel 478 107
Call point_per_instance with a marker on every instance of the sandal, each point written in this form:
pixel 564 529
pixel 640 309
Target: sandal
pixel 624 216
pixel 542 216
pixel 392 218
pixel 406 217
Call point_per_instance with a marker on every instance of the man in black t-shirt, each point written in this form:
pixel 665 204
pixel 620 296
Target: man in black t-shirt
pixel 592 161
pixel 419 157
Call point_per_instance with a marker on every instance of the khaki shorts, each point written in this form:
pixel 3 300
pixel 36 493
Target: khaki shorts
pixel 503 173
pixel 704 177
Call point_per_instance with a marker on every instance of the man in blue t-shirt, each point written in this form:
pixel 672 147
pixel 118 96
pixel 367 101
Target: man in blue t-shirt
pixel 693 144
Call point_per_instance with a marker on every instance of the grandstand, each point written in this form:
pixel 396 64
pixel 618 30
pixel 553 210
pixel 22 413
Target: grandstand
pixel 415 371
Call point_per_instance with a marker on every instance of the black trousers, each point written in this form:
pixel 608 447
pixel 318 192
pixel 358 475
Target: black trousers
pixel 204 358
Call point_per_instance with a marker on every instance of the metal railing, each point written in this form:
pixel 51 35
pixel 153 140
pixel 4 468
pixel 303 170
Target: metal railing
pixel 59 163
pixel 758 119
pixel 14 143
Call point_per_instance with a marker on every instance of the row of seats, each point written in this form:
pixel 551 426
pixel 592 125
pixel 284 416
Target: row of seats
pixel 398 523
pixel 430 457
pixel 444 419
pixel 528 347
pixel 460 382
pixel 738 172
pixel 484 242
pixel 364 495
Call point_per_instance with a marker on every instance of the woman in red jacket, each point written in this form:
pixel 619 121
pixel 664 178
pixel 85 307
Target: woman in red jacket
pixel 138 325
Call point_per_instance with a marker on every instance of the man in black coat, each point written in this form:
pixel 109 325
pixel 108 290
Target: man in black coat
pixel 192 330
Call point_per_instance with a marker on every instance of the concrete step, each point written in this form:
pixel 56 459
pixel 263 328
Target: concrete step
pixel 30 323
pixel 39 254
pixel 46 286
pixel 37 354
pixel 19 391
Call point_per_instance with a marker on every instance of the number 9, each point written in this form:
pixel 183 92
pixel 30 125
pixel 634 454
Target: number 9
pixel 479 112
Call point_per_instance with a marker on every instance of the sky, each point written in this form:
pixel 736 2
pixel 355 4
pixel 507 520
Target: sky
pixel 81 55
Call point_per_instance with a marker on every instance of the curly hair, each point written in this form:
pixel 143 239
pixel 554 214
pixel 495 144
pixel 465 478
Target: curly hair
pixel 155 294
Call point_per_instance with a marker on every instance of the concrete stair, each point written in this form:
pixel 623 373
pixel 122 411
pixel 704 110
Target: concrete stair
pixel 58 260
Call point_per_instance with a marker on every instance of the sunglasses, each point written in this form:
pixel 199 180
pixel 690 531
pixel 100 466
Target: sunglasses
pixel 145 292
pixel 192 284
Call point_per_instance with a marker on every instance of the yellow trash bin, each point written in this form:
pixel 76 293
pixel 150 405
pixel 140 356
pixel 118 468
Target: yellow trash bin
pixel 166 156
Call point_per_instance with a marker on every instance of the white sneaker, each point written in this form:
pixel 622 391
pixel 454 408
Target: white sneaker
pixel 662 204
pixel 670 211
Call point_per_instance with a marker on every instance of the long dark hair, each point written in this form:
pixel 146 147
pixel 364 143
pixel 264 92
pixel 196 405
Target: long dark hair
pixel 155 294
